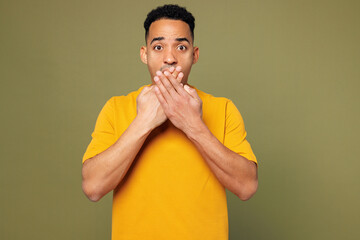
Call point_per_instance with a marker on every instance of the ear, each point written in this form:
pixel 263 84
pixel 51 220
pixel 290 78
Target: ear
pixel 143 54
pixel 195 55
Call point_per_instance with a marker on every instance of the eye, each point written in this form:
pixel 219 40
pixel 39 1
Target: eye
pixel 182 47
pixel 157 47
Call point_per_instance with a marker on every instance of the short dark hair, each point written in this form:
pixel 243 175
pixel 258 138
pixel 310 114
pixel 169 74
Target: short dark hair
pixel 170 11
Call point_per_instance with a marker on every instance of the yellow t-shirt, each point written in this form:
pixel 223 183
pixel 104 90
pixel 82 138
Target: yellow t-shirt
pixel 169 191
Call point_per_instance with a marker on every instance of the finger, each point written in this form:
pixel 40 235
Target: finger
pixel 145 90
pixel 176 71
pixel 191 91
pixel 174 82
pixel 180 77
pixel 172 70
pixel 160 97
pixel 161 87
pixel 164 78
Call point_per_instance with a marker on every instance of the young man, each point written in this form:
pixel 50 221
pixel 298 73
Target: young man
pixel 169 150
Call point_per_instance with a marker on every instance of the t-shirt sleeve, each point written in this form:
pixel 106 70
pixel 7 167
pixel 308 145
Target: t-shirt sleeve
pixel 235 134
pixel 104 133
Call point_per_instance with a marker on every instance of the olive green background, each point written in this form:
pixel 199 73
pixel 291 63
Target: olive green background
pixel 291 67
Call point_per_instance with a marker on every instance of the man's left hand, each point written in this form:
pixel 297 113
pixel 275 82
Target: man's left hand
pixel 181 104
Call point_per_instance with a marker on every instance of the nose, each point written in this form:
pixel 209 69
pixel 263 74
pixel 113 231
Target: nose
pixel 170 58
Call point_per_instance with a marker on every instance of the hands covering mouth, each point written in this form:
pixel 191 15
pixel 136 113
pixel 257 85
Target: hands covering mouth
pixel 175 71
pixel 180 103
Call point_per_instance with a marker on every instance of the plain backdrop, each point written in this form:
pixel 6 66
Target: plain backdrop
pixel 291 67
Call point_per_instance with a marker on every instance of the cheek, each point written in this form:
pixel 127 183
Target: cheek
pixel 154 59
pixel 187 66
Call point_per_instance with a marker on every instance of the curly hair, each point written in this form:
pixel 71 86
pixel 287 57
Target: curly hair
pixel 169 11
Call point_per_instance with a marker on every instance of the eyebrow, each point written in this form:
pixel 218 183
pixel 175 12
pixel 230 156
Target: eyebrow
pixel 157 39
pixel 176 39
pixel 182 39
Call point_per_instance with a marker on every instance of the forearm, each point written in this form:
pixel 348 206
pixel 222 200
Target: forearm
pixel 183 106
pixel 103 172
pixel 233 171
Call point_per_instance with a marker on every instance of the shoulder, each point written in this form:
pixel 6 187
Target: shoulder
pixel 211 99
pixel 121 110
pixel 218 105
pixel 215 111
pixel 124 100
pixel 122 105
pixel 129 96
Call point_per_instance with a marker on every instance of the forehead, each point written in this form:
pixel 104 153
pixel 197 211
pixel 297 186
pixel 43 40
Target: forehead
pixel 169 29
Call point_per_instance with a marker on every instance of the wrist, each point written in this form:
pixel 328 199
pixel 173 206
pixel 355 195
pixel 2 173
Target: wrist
pixel 197 130
pixel 142 125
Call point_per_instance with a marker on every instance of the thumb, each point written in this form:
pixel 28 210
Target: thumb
pixel 146 89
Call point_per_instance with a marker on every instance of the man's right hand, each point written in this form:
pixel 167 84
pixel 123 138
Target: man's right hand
pixel 149 110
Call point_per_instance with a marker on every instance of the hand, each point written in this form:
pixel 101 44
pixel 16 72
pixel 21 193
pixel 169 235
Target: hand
pixel 181 104
pixel 148 108
pixel 174 71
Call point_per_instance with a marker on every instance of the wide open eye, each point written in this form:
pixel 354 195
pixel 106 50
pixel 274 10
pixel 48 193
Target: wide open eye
pixel 157 47
pixel 182 47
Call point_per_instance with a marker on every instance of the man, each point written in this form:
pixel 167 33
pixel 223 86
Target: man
pixel 168 150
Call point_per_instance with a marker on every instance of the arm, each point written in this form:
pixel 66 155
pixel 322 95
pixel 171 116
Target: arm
pixel 103 172
pixel 233 171
pixel 183 107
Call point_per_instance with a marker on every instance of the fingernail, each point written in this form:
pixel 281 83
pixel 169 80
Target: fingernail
pixel 156 79
pixel 171 69
pixel 158 73
pixel 181 75
pixel 178 68
pixel 166 73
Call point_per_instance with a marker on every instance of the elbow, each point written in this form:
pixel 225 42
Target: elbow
pixel 89 185
pixel 247 191
pixel 90 189
pixel 90 192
